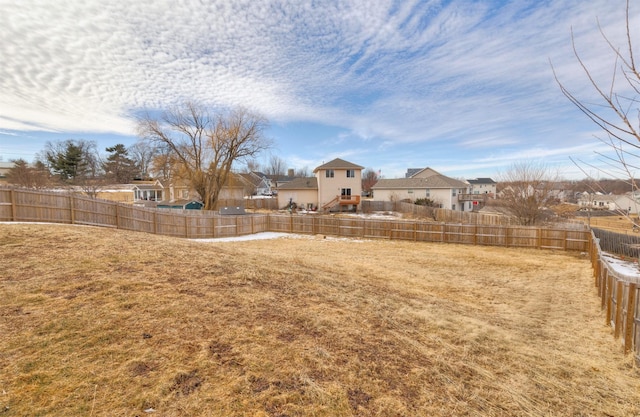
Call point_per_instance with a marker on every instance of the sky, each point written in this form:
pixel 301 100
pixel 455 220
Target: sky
pixel 465 87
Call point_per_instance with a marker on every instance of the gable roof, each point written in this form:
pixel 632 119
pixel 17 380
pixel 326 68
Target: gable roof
pixel 309 183
pixel 482 181
pixel 434 181
pixel 421 173
pixel 338 164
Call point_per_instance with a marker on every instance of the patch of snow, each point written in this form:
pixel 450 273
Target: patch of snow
pixel 275 235
pixel 627 269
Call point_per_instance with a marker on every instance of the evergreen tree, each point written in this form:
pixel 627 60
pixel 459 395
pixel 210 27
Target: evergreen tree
pixel 118 166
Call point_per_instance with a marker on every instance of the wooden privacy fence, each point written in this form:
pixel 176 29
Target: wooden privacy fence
pixel 37 206
pixel 474 234
pixel 620 297
pixel 438 214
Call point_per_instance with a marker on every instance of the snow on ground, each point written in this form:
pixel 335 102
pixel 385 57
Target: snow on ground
pixel 274 235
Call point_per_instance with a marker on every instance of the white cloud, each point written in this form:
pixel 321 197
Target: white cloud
pixel 392 73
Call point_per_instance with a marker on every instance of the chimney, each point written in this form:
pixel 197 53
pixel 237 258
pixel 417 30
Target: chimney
pixel 290 172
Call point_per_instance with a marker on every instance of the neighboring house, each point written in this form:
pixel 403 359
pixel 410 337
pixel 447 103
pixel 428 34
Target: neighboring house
pixel 144 191
pixel 302 191
pixel 122 193
pixel 277 181
pixel 425 183
pixel 179 194
pixel 337 185
pixel 483 186
pixel 257 183
pixel 234 189
pixel 597 201
pixel 629 203
pixel 5 167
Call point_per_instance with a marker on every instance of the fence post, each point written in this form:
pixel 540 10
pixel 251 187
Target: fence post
pixel 603 287
pixel 155 223
pixel 619 300
pixel 72 209
pixel 186 227
pixel 14 208
pixel 117 216
pixel 629 322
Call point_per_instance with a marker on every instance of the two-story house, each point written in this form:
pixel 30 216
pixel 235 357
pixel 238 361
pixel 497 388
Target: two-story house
pixel 337 185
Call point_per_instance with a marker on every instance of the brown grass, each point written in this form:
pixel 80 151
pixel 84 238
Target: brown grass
pixel 619 224
pixel 102 322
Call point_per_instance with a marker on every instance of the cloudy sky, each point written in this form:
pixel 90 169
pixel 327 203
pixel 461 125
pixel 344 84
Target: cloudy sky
pixel 462 86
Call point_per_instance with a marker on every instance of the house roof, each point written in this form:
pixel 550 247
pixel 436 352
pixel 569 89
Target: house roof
pixel 434 181
pixel 482 181
pixel 338 164
pixel 251 179
pixel 308 183
pixel 421 173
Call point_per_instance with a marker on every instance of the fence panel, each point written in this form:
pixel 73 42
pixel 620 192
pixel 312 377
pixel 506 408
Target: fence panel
pixel 328 225
pixel 35 206
pixel 491 235
pixel 6 207
pixel 430 232
pixel 303 224
pixel 351 227
pixel 522 237
pixel 94 212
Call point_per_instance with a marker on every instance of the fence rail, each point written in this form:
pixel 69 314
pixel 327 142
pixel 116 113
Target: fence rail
pixel 619 292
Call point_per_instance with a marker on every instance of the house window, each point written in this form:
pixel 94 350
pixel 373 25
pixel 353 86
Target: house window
pixel 329 173
pixel 185 193
pixel 428 192
pixel 453 207
pixel 345 194
pixel 351 173
pixel 453 192
pixel 410 191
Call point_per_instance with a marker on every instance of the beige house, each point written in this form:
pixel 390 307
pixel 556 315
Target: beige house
pixel 337 185
pixel 302 191
pixel 426 183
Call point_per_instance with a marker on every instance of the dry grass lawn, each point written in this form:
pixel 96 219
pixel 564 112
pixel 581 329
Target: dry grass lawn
pixel 102 322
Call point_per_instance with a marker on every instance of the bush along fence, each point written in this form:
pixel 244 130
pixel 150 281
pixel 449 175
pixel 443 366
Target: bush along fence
pixel 618 288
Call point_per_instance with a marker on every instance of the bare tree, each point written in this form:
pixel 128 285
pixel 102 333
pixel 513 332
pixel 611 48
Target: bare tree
pixel 252 165
pixel 369 179
pixel 616 110
pixel 23 175
pixel 527 190
pixel 276 166
pixel 303 172
pixel 204 146
pixel 143 153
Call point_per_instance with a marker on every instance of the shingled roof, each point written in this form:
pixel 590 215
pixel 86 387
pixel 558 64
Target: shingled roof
pixel 309 183
pixel 435 181
pixel 338 164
